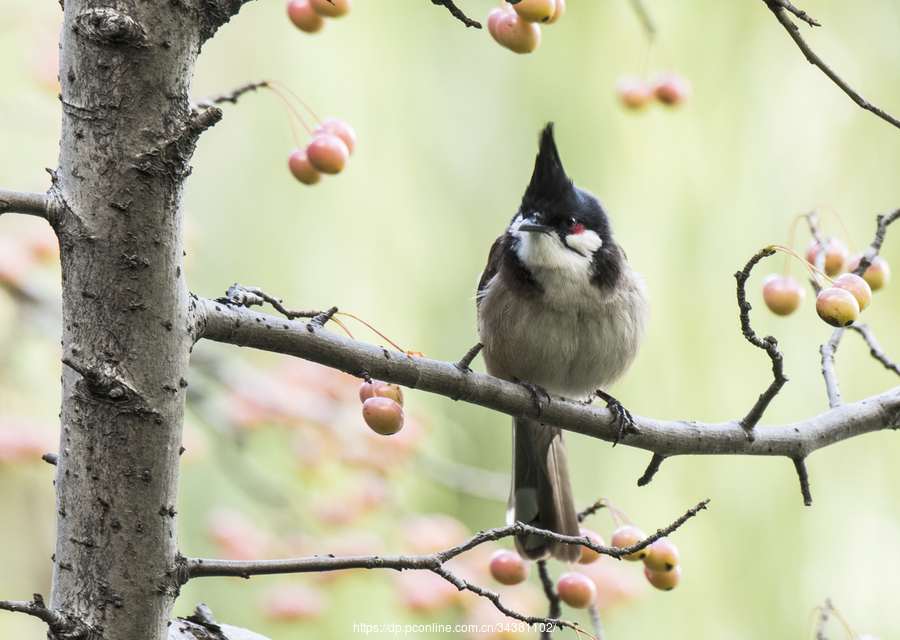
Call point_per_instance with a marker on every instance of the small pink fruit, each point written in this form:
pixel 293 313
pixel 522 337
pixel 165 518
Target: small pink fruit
pixel 300 166
pixel 508 567
pixel 589 555
pixel 857 286
pixel 664 580
pixel 535 10
pixel 634 91
pixel 783 294
pixel 341 129
pixel 304 16
pixel 381 389
pixel 493 17
pixel 672 88
pixel 332 8
pixel 835 255
pixel 877 275
pixel 576 590
pixel 560 10
pixel 627 536
pixel 837 307
pixel 663 556
pixel 327 153
pixel 383 415
pixel 516 34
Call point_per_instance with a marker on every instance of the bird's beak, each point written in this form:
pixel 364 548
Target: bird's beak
pixel 533 224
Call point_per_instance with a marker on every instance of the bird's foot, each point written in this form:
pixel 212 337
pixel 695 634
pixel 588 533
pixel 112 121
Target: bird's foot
pixel 536 393
pixel 623 420
pixel 466 360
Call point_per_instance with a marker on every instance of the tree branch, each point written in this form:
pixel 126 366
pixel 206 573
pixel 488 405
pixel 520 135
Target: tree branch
pixel 32 204
pixel 189 568
pixel 243 327
pixel 61 625
pixel 875 349
pixel 778 8
pixel 827 351
pixel 457 13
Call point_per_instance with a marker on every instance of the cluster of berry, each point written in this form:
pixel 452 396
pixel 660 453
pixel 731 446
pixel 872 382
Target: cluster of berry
pixel 382 406
pixel 517 26
pixel 326 152
pixel 661 566
pixel 670 88
pixel 309 15
pixel 840 304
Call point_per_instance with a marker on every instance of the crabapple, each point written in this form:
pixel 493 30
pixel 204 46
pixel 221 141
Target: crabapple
pixel 332 8
pixel 382 389
pixel 627 536
pixel 589 555
pixel 663 580
pixel 576 590
pixel 877 275
pixel 383 415
pixel 663 556
pixel 327 153
pixel 634 91
pixel 301 168
pixel 560 10
pixel 783 294
pixel 516 34
pixel 838 307
pixel 535 10
pixel 835 255
pixel 341 129
pixel 857 286
pixel 304 16
pixel 508 567
pixel 672 88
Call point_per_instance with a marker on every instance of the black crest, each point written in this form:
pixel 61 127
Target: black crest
pixel 549 181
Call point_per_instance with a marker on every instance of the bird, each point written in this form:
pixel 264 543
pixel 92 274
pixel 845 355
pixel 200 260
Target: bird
pixel 561 311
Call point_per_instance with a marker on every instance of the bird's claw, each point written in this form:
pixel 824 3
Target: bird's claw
pixel 536 393
pixel 622 417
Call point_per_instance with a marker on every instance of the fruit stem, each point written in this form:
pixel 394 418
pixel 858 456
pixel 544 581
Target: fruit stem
pixel 809 267
pixel 840 222
pixel 297 98
pixel 787 258
pixel 350 315
pixel 290 106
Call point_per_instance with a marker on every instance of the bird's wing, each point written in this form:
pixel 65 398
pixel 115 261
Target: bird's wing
pixel 490 270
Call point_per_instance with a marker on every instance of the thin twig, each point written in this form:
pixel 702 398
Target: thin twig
pixel 591 510
pixel 874 348
pixel 827 351
pixel 769 344
pixel 882 223
pixel 552 597
pixel 644 16
pixel 231 97
pixel 594 612
pixel 824 615
pixel 800 467
pixel 778 8
pixel 455 11
pixel 802 15
pixel 651 470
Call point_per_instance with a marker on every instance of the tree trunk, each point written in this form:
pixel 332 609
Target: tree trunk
pixel 126 141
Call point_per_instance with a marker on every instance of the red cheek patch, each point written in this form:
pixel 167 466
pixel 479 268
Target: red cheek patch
pixel 578 228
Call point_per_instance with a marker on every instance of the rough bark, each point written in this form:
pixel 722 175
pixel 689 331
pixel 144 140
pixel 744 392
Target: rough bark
pixel 126 142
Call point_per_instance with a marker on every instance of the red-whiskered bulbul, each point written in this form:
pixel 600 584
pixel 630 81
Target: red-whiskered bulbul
pixel 560 308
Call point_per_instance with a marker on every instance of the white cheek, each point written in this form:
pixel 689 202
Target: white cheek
pixel 585 243
pixel 542 253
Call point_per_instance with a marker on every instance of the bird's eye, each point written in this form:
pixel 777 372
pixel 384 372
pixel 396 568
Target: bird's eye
pixel 570 224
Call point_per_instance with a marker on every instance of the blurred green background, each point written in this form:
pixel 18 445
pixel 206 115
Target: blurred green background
pixel 447 123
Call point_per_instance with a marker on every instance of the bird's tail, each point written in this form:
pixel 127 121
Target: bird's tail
pixel 541 494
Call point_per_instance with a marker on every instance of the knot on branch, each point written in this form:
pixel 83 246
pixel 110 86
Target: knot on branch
pixel 173 156
pixel 109 26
